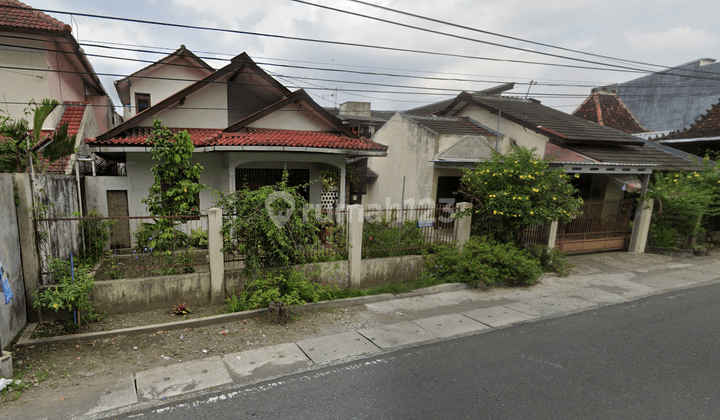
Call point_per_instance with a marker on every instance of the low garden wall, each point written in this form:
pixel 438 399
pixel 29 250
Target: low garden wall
pixel 130 295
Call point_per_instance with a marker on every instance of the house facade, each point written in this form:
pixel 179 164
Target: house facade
pixel 246 128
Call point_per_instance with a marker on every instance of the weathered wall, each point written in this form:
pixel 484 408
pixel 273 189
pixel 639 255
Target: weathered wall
pixel 130 295
pixel 96 188
pixel 379 271
pixel 59 194
pixel 13 316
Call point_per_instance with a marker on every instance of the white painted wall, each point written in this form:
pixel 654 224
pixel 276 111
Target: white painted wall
pixel 158 87
pixel 524 137
pixel 292 117
pixel 203 109
pixel 411 147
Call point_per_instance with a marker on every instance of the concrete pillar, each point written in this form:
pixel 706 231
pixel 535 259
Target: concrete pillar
pixel 217 262
pixel 553 234
pixel 463 226
pixel 356 217
pixel 28 245
pixel 341 197
pixel 641 226
pixel 6 369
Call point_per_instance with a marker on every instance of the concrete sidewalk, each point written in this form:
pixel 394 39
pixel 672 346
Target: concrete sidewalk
pixel 597 280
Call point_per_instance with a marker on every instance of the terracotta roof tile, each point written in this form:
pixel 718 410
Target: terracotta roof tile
pixel 138 137
pixel 296 138
pixel 73 115
pixel 21 16
pixel 606 108
pixel 707 126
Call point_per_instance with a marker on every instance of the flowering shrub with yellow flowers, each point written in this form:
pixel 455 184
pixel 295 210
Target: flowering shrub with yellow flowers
pixel 684 202
pixel 517 190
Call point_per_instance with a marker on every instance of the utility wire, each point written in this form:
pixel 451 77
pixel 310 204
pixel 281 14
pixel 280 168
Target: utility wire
pixel 504 36
pixel 328 42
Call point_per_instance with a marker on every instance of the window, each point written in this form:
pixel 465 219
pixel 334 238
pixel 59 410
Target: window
pixel 142 102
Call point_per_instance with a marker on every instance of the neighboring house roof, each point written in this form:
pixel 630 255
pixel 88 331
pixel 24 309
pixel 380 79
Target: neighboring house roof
pixel 435 108
pixel 122 86
pixel 20 16
pixel 707 126
pixel 296 138
pixel 606 108
pixel 673 98
pixel 72 116
pixel 451 125
pixel 646 154
pixel 557 153
pixel 560 127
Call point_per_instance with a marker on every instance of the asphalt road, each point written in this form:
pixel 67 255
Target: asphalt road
pixel 655 358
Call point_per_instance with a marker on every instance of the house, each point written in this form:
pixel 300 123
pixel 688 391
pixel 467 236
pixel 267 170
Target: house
pixel 40 59
pixel 426 154
pixel 607 109
pixel 246 128
pixel 608 162
pixel 671 99
pixel 702 136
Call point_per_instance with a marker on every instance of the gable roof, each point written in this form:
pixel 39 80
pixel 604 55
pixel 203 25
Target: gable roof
pixel 469 149
pixel 122 86
pixel 437 107
pixel 560 127
pixel 606 108
pixel 452 125
pixel 236 66
pixel 21 17
pixel 299 96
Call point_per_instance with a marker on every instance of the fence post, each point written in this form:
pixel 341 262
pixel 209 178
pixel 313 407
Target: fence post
pixel 641 226
pixel 28 245
pixel 217 264
pixel 356 217
pixel 463 226
pixel 552 238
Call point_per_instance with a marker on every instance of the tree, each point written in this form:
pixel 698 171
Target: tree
pixel 176 188
pixel 19 145
pixel 518 190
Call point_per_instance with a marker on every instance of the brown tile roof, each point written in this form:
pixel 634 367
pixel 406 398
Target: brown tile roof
pixel 564 128
pixel 137 136
pixel 72 116
pixel 707 126
pixel 296 138
pixel 606 108
pixel 557 153
pixel 17 15
pixel 649 154
pixel 450 125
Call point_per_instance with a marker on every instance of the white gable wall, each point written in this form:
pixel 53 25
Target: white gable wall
pixel 524 137
pixel 203 109
pixel 158 87
pixel 292 117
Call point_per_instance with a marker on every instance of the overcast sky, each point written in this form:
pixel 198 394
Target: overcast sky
pixel 658 32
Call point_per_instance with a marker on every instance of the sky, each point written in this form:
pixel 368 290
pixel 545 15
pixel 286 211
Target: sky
pixel 651 34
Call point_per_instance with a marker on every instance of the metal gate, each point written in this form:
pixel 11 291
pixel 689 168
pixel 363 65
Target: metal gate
pixel 603 226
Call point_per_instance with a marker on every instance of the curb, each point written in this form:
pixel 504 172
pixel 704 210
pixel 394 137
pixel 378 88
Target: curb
pixel 25 339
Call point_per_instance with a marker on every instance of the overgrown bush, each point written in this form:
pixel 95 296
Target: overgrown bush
pixel 272 226
pixel 97 234
pixel 551 260
pixel 485 262
pixel 384 238
pixel 287 286
pixel 69 294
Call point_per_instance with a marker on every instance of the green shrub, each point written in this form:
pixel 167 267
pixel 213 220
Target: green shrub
pixel 484 262
pixel 551 261
pixel 287 286
pixel 664 236
pixel 384 239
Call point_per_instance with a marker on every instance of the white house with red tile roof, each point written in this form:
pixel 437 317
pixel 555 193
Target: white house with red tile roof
pixel 41 59
pixel 246 127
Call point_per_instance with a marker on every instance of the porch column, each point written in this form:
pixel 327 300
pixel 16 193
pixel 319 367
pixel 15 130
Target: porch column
pixel 341 198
